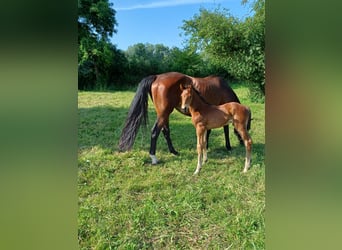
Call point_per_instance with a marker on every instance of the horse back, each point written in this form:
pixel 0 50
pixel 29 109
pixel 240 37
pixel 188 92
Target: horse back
pixel 236 110
pixel 215 90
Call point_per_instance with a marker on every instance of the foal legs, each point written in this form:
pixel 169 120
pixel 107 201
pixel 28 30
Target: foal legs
pixel 239 137
pixel 201 148
pixel 248 144
pixel 204 148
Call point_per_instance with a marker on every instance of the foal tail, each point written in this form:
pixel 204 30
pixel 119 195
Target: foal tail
pixel 137 114
pixel 249 119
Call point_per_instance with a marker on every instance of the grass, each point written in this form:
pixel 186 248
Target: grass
pixel 127 203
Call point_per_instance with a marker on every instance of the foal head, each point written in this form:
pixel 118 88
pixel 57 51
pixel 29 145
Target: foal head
pixel 186 96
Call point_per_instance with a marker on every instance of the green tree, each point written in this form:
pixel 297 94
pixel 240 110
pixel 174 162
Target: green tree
pixel 146 59
pixel 96 18
pixel 236 45
pixel 185 61
pixel 97 57
pixel 189 62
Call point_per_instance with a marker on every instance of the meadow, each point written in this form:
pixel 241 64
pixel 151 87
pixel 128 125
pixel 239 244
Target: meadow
pixel 127 203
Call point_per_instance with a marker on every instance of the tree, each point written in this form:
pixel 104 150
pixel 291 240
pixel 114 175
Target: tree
pixel 189 62
pixel 230 43
pixel 96 19
pixel 96 55
pixel 146 59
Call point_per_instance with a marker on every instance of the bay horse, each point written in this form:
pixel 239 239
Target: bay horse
pixel 205 116
pixel 164 90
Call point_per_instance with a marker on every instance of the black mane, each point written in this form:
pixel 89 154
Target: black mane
pixel 199 95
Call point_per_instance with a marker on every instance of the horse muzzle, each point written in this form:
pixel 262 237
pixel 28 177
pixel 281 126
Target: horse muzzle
pixel 185 109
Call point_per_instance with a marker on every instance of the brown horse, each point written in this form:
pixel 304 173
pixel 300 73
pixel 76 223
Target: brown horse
pixel 205 116
pixel 165 92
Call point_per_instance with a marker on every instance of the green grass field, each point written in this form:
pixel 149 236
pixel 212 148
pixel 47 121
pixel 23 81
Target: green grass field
pixel 127 203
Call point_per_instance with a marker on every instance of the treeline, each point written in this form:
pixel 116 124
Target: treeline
pixel 115 68
pixel 217 43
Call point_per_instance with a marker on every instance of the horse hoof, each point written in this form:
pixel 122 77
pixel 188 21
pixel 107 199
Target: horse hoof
pixel 154 159
pixel 175 152
pixel 229 148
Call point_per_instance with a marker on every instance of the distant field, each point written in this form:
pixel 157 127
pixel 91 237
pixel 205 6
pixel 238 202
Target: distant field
pixel 127 203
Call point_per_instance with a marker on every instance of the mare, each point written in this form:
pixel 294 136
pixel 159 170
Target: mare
pixel 164 90
pixel 205 116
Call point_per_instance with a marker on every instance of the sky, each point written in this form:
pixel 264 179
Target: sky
pixel 159 22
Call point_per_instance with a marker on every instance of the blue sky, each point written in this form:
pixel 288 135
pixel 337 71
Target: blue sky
pixel 153 21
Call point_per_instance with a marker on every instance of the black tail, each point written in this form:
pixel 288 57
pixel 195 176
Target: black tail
pixel 249 119
pixel 137 114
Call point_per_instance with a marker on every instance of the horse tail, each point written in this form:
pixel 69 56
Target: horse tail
pixel 249 119
pixel 137 114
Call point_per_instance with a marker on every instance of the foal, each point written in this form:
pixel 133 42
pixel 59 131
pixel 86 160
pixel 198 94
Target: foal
pixel 205 116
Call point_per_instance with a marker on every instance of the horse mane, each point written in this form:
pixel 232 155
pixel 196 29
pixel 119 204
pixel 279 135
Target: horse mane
pixel 199 94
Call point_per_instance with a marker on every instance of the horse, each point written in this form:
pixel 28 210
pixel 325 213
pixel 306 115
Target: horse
pixel 164 90
pixel 205 116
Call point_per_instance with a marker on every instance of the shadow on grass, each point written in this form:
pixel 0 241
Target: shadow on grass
pixel 238 151
pixel 102 127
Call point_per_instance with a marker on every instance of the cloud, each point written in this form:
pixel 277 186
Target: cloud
pixel 163 4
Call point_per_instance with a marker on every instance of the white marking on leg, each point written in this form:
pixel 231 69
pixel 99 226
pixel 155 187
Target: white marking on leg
pixel 154 159
pixel 198 169
pixel 247 163
pixel 200 133
pixel 205 154
pixel 248 156
pixel 199 164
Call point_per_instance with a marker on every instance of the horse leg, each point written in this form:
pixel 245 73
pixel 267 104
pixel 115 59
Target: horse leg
pixel 166 132
pixel 207 138
pixel 200 147
pixel 239 137
pixel 204 143
pixel 154 136
pixel 248 145
pixel 226 136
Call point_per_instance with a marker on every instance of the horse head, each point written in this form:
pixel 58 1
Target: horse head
pixel 186 96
